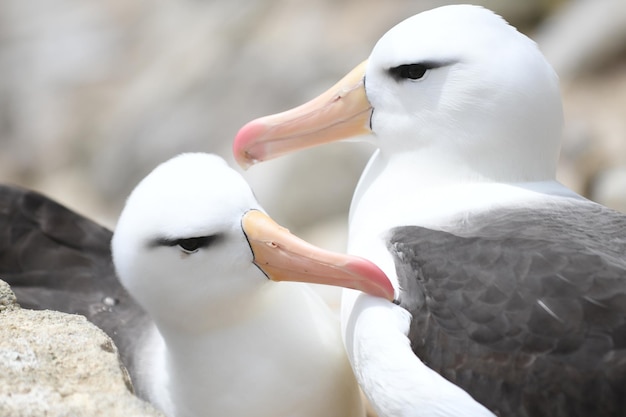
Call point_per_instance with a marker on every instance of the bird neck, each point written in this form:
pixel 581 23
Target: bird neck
pixel 199 363
pixel 415 180
pixel 467 158
pixel 412 190
pixel 237 368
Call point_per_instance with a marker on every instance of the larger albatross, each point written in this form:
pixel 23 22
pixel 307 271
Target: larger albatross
pixel 194 249
pixel 513 285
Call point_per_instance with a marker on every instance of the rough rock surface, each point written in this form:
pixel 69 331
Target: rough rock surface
pixel 57 364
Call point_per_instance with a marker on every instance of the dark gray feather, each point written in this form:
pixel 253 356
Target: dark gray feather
pixel 58 260
pixel 525 309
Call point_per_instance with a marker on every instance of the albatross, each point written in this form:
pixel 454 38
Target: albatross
pixel 196 312
pixel 511 287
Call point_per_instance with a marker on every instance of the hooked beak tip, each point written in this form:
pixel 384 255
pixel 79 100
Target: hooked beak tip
pixel 244 141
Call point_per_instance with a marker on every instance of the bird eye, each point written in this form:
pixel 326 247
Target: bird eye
pixel 193 244
pixel 409 71
pixel 187 245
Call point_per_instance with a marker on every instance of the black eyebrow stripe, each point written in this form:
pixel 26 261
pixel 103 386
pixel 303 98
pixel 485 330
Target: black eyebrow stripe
pixel 170 242
pixel 163 241
pixel 426 64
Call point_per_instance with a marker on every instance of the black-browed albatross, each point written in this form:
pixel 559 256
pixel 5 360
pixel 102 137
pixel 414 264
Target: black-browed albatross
pixel 194 249
pixel 511 286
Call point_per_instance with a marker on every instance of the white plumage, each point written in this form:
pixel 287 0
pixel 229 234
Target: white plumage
pixel 466 115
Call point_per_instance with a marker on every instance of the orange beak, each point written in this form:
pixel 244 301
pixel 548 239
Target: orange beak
pixel 285 257
pixel 339 113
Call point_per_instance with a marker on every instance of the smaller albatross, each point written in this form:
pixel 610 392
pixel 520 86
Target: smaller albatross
pixel 195 250
pixel 512 287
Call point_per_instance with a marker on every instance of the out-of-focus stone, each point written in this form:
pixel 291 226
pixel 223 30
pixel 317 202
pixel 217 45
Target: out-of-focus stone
pixel 584 36
pixel 610 188
pixel 105 91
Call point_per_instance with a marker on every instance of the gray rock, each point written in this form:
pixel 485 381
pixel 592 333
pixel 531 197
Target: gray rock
pixel 57 364
pixel 8 302
pixel 610 188
pixel 584 36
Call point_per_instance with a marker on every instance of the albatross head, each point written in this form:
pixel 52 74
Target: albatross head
pixel 192 239
pixel 455 87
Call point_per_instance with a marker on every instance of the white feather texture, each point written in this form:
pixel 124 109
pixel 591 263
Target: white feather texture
pixel 480 131
pixel 227 341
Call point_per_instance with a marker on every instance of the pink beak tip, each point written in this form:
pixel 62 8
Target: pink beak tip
pixel 378 283
pixel 245 140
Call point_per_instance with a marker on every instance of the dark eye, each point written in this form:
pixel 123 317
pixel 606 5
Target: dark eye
pixel 409 71
pixel 192 244
pixel 189 244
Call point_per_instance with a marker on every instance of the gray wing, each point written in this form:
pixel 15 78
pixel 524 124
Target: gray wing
pixel 56 259
pixel 526 310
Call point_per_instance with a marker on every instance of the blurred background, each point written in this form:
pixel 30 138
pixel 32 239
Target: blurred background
pixel 94 94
